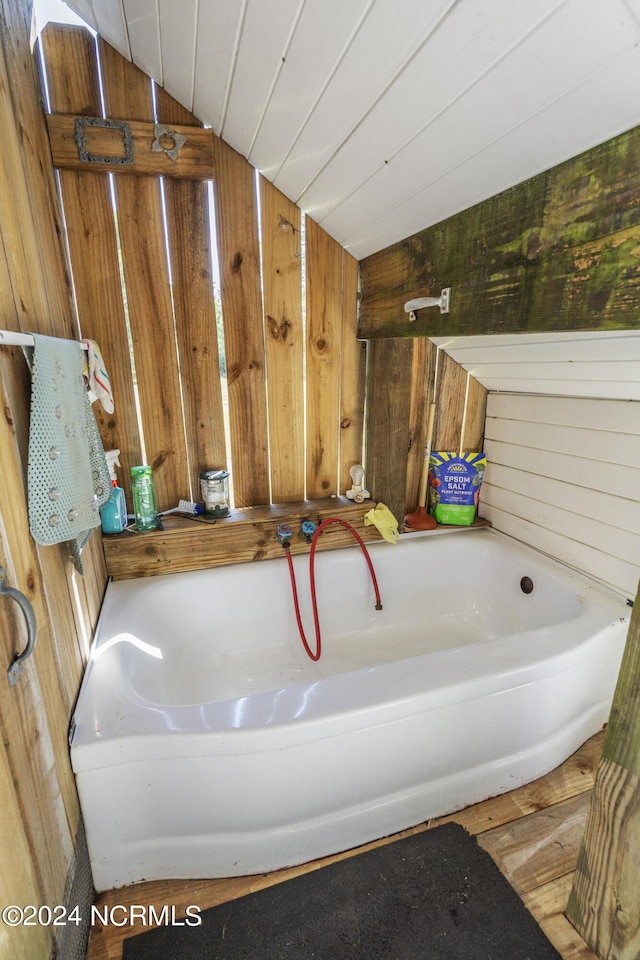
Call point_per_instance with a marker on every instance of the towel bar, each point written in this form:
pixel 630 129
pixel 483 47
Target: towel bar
pixel 15 668
pixel 11 338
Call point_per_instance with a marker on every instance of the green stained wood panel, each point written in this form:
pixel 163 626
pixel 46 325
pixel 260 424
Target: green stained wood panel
pixel 560 251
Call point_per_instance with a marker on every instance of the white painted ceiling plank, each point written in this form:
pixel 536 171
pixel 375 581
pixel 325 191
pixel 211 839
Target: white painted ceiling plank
pixel 521 339
pixel 499 106
pixel 594 371
pixel 143 27
pixel 555 355
pixel 464 47
pixel 178 45
pixel 112 25
pixel 568 388
pixel 84 9
pixel 388 38
pixel 315 52
pixel 263 42
pixel 217 36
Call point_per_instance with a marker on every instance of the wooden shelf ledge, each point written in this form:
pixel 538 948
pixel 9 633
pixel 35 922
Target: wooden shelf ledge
pixel 191 543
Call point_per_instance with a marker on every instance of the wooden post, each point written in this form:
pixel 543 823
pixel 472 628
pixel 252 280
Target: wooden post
pixel 604 906
pixel 387 426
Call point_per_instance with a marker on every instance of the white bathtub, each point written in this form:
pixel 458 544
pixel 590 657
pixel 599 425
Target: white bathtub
pixel 205 742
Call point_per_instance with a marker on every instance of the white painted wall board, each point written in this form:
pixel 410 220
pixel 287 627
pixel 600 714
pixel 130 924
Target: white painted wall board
pixel 594 533
pixel 561 485
pixel 619 512
pixel 611 477
pixel 582 442
pixel 550 352
pixel 143 28
pixel 590 371
pixel 614 415
pixel 569 388
pixel 620 575
pixel 522 339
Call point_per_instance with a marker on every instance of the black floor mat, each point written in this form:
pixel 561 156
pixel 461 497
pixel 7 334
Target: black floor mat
pixel 436 895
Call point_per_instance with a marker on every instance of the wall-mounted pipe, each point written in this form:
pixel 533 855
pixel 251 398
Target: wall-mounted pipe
pixel 15 668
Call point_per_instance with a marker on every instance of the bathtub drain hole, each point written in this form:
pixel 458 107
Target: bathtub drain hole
pixel 526 585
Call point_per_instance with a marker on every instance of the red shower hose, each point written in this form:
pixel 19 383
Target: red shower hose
pixel 312 583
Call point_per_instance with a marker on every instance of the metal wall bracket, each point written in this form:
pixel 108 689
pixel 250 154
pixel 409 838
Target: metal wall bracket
pixel 83 151
pixel 15 669
pixel 164 133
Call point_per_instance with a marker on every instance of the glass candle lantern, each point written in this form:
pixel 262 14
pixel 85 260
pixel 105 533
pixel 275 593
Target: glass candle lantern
pixel 214 486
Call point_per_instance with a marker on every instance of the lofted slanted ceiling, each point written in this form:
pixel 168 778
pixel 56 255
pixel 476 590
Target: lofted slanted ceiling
pixel 382 117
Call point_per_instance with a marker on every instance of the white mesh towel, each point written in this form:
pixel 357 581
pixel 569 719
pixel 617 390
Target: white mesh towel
pixel 68 477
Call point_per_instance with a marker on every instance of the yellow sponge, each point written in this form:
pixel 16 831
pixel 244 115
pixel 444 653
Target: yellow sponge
pixel 384 521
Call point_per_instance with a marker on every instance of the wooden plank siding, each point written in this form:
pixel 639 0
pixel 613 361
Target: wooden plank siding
pixel 563 475
pixel 72 78
pixel 352 376
pixel 284 340
pixel 140 219
pixel 190 253
pixel 324 342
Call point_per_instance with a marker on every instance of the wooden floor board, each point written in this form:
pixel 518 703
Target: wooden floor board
pixel 532 833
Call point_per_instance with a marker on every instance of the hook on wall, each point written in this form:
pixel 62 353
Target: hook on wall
pixel 15 668
pixel 443 301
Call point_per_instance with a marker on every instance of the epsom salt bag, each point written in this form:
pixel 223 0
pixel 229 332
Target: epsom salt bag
pixel 454 486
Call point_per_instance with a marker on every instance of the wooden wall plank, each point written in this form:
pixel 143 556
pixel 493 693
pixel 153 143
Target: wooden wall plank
pixel 189 230
pixel 31 182
pixel 236 211
pixel 249 536
pixel 352 375
pixel 284 338
pixel 603 905
pixel 557 252
pixel 72 75
pixel 27 273
pixel 18 883
pixel 140 222
pixel 324 341
pixel 387 428
pixel 422 376
pixel 34 714
pixel 450 394
pixel 194 160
